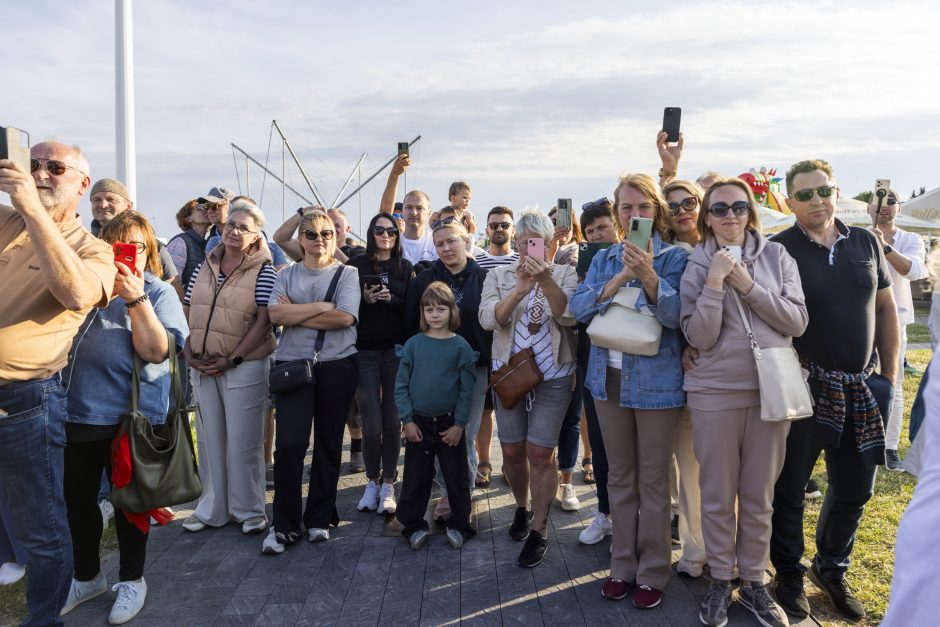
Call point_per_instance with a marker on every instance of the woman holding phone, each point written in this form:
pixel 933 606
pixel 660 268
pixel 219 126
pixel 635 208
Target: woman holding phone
pixel 740 455
pixel 384 276
pixel 638 398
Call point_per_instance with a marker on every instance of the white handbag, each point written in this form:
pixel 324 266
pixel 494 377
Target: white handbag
pixel 625 328
pixel 784 391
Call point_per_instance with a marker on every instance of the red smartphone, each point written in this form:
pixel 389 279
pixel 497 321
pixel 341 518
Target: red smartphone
pixel 536 247
pixel 126 254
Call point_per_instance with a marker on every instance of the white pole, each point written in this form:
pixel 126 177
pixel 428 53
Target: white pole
pixel 124 95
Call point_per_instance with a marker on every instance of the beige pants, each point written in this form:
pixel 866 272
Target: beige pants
pixel 739 456
pixel 230 438
pixel 690 495
pixel 639 446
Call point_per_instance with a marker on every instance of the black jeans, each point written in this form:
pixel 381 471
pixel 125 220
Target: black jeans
pixel 381 428
pixel 322 406
pixel 851 485
pixel 419 474
pixel 84 462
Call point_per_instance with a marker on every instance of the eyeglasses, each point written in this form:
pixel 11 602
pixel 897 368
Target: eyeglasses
pixel 55 168
pixel 443 222
pixel 391 231
pixel 314 236
pixel 242 229
pixel 805 195
pixel 600 202
pixel 721 209
pixel 495 226
pixel 141 247
pixel 688 204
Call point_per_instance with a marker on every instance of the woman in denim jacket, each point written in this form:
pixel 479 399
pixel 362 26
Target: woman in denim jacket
pixel 639 399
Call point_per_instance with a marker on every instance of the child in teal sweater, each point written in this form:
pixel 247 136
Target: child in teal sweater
pixel 433 392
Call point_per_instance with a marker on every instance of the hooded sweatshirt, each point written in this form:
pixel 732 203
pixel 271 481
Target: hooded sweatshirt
pixel 725 373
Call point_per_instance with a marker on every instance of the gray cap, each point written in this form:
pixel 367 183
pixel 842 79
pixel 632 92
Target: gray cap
pixel 217 194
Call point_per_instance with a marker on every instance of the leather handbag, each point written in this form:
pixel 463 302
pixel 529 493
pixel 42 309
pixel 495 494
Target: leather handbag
pixel 516 378
pixel 624 327
pixel 163 470
pixel 784 390
pixel 297 373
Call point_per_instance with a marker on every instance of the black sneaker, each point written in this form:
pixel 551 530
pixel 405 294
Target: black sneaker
pixel 533 550
pixel 839 594
pixel 519 529
pixel 674 528
pixel 893 461
pixel 812 490
pixel 788 589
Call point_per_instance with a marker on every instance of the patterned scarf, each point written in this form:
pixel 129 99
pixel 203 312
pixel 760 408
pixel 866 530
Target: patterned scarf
pixel 831 406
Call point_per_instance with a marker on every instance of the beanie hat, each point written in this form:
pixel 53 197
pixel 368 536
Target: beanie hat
pixel 113 186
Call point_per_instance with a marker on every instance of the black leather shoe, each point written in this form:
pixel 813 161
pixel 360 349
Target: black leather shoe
pixel 788 590
pixel 519 529
pixel 533 550
pixel 839 594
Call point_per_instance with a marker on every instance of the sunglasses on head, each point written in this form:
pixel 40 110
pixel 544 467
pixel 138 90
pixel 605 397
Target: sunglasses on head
pixel 805 195
pixel 721 209
pixel 314 236
pixel 688 204
pixel 443 222
pixel 391 231
pixel 495 226
pixel 600 202
pixel 55 168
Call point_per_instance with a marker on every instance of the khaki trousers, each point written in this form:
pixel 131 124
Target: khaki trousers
pixel 230 438
pixel 690 495
pixel 639 445
pixel 739 458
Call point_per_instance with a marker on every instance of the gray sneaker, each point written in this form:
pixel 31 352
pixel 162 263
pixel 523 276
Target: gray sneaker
pixel 714 612
pixel 893 461
pixel 755 597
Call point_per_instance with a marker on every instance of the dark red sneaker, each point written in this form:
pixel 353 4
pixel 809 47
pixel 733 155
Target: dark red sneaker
pixel 615 589
pixel 645 597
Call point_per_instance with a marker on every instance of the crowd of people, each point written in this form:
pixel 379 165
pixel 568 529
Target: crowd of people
pixel 406 332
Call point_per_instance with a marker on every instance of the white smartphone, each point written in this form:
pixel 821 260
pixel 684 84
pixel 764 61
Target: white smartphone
pixel 735 252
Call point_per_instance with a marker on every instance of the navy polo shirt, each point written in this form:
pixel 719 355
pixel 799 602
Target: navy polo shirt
pixel 840 290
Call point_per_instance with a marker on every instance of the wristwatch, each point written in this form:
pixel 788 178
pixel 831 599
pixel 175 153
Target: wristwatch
pixel 888 250
pixel 236 360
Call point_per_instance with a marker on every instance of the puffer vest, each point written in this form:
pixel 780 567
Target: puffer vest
pixel 195 252
pixel 221 315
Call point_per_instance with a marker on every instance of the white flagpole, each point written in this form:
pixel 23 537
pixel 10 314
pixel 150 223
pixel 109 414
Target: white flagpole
pixel 124 95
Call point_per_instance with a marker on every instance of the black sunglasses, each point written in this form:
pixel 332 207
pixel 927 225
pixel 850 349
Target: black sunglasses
pixel 391 231
pixel 721 209
pixel 890 202
pixel 443 222
pixel 314 236
pixel 56 168
pixel 494 226
pixel 805 195
pixel 688 204
pixel 600 202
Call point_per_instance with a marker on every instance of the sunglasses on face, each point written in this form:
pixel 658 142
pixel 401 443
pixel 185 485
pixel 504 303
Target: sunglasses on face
pixel 805 195
pixel 721 209
pixel 890 202
pixel 243 229
pixel 314 236
pixel 443 222
pixel 688 204
pixel 495 226
pixel 55 168
pixel 391 231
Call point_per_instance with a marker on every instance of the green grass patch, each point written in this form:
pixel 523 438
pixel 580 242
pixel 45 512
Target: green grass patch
pixel 917 334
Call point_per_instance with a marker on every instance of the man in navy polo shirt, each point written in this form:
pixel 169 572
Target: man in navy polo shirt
pixel 851 312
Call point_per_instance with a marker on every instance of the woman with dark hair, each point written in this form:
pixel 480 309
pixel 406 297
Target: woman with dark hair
pixel 384 276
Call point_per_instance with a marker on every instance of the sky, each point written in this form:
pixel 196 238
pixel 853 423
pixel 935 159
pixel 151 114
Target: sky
pixel 526 101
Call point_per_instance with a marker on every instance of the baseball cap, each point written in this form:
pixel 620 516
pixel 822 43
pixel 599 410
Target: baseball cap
pixel 217 194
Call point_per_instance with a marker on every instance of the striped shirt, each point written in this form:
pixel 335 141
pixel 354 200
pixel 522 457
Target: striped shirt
pixel 262 288
pixel 488 261
pixel 541 344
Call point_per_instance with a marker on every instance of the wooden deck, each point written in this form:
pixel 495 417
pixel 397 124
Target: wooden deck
pixel 368 575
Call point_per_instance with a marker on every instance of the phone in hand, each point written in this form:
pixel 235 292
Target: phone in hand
pixel 563 213
pixel 735 252
pixel 12 146
pixel 374 280
pixel 586 253
pixel 671 119
pixel 402 148
pixel 639 232
pixel 126 254
pixel 535 247
pixel 880 197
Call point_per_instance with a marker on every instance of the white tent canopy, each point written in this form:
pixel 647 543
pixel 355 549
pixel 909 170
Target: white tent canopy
pixel 855 213
pixel 925 207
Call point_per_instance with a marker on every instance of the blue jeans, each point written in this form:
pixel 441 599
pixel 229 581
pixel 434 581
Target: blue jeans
pixel 32 444
pixel 569 439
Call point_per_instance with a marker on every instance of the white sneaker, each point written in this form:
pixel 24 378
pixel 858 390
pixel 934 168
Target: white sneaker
pixel 11 572
pixel 193 524
pixel 569 499
pixel 130 600
pixel 271 544
pixel 370 498
pixel 81 591
pixel 256 524
pixel 387 502
pixel 454 537
pixel 418 538
pixel 107 512
pixel 689 568
pixel 600 528
pixel 318 535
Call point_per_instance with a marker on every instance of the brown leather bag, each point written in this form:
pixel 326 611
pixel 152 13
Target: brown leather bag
pixel 516 378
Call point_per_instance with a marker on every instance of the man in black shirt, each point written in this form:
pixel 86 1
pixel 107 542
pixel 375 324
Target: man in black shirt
pixel 851 311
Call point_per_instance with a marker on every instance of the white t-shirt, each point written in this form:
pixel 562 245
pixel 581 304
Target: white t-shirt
pixel 911 246
pixel 421 249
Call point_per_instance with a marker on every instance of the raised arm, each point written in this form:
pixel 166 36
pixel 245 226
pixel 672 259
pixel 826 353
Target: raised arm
pixel 399 166
pixel 284 237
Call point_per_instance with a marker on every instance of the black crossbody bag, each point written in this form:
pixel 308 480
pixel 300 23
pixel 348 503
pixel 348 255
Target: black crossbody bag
pixel 294 374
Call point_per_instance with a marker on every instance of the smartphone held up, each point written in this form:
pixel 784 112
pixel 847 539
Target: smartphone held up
pixel 14 145
pixel 671 118
pixel 126 255
pixel 880 197
pixel 563 213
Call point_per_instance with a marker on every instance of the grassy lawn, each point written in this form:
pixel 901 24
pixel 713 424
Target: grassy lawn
pixel 918 334
pixel 873 556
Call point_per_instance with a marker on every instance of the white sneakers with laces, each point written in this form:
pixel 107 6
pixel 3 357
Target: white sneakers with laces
pixel 370 498
pixel 130 600
pixel 569 498
pixel 387 502
pixel 272 545
pixel 600 528
pixel 81 591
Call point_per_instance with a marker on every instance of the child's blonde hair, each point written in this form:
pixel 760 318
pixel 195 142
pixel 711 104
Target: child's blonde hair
pixel 438 293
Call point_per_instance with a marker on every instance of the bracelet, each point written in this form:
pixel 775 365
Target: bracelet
pixel 137 301
pixel 663 172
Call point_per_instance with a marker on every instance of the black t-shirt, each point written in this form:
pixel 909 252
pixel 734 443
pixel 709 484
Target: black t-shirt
pixel 840 291
pixel 381 324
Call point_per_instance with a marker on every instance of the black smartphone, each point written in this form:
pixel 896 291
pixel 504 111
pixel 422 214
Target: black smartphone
pixel 374 280
pixel 13 146
pixel 402 148
pixel 671 119
pixel 586 253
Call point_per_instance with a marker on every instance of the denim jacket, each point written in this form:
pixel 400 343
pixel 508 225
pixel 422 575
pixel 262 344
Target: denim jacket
pixel 98 375
pixel 646 382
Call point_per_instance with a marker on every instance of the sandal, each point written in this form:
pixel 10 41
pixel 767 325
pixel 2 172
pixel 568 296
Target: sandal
pixel 484 470
pixel 588 469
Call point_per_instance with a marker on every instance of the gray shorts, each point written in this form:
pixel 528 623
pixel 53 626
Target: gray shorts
pixel 541 423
